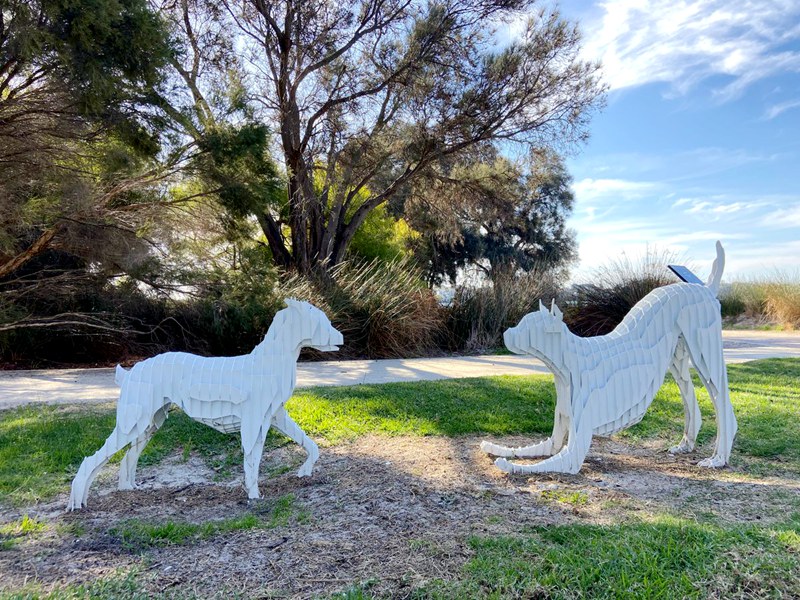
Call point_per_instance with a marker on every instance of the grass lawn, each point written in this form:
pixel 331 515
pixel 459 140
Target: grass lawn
pixel 660 556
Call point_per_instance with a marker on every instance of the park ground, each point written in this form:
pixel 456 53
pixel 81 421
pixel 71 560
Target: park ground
pixel 403 504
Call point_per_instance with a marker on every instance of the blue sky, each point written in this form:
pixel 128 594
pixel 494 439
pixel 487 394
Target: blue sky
pixel 700 139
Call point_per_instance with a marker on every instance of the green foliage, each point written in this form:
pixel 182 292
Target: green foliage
pixel 103 51
pixel 495 215
pixel 669 558
pixel 11 533
pixel 240 170
pixel 383 237
pixel 138 535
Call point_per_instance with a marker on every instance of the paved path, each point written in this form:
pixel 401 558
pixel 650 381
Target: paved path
pixel 97 385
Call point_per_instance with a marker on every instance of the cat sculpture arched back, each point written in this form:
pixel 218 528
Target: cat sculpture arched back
pixel 243 394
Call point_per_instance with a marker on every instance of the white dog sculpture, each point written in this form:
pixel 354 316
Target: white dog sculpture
pixel 239 393
pixel 606 383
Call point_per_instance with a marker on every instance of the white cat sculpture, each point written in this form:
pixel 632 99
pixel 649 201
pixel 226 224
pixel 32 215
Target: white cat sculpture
pixel 239 393
pixel 606 383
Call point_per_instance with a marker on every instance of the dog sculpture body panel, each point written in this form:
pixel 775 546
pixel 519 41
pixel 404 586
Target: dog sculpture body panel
pixel 606 383
pixel 239 393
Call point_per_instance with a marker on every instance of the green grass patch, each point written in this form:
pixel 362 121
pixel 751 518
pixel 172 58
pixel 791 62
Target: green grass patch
pixel 11 533
pixel 766 400
pixel 139 535
pixel 670 558
pixel 120 586
pixel 575 499
pixel 494 405
pixel 41 447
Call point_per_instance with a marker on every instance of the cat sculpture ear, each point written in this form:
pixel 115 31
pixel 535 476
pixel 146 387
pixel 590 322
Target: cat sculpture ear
pixel 555 326
pixel 555 311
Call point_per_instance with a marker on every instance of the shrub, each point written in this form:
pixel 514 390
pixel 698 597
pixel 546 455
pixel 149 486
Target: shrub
pixel 383 309
pixel 783 302
pixel 597 308
pixel 731 301
pixel 477 316
pixel 775 299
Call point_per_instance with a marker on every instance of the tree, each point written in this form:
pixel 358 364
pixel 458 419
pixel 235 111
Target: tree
pixel 70 75
pixel 374 94
pixel 496 215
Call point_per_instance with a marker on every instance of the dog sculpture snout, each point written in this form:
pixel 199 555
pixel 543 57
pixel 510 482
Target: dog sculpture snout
pixel 335 339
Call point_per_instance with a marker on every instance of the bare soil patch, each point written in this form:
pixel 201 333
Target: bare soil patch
pixel 398 511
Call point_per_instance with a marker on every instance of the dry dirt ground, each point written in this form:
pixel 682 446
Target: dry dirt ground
pixel 398 511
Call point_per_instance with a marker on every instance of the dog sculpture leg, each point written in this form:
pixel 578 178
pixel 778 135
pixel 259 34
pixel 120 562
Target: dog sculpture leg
pixel 127 469
pixel 679 367
pixel 568 460
pixel 252 461
pixel 284 423
pixel 91 465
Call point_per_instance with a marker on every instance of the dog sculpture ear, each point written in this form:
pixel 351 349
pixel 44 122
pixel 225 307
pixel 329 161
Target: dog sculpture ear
pixel 542 307
pixel 292 303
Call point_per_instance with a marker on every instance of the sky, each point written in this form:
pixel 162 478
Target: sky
pixel 700 137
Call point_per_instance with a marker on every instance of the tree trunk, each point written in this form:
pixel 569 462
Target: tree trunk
pixel 40 245
pixel 275 240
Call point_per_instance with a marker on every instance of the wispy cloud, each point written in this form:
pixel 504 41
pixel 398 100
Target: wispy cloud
pixel 778 109
pixel 715 207
pixel 683 42
pixel 783 218
pixel 589 190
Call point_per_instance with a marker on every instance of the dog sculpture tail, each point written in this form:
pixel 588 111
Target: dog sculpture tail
pixel 120 375
pixel 716 270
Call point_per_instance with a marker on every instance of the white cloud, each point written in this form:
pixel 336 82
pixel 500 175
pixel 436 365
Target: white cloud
pixel 783 218
pixel 717 206
pixel 685 42
pixel 617 189
pixel 756 259
pixel 777 109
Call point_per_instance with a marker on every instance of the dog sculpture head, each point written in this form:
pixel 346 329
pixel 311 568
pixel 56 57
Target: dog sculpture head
pixel 539 333
pixel 316 330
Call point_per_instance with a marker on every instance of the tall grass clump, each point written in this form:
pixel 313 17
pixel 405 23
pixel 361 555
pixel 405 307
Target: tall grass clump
pixel 596 308
pixel 783 301
pixel 477 316
pixel 383 309
pixel 771 299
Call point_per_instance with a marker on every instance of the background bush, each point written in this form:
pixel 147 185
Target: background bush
pixel 597 308
pixel 774 299
pixel 477 316
pixel 383 309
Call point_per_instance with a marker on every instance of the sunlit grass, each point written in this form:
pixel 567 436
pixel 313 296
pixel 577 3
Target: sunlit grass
pixel 41 447
pixel 669 558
